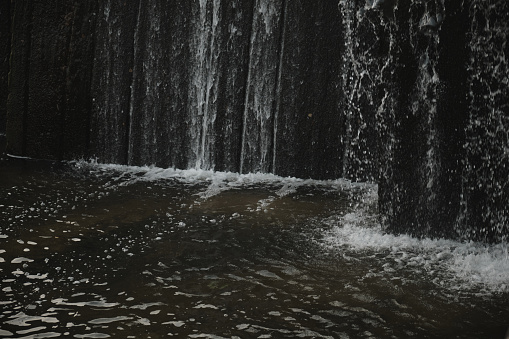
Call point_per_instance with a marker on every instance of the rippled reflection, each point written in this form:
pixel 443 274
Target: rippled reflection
pixel 91 251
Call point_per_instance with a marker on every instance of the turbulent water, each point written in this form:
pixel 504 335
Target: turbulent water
pixel 100 251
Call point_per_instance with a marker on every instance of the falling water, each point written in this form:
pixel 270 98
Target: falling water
pixel 261 92
pixel 371 91
pixel 485 181
pixel 362 77
pixel 425 41
pixel 142 114
pixel 204 84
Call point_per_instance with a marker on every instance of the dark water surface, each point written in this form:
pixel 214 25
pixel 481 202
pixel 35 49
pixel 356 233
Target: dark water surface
pixel 91 251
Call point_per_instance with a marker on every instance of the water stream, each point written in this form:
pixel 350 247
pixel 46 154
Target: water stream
pixel 109 251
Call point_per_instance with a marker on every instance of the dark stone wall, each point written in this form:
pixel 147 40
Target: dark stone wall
pixel 236 28
pixel 309 121
pixel 46 79
pixel 5 51
pixel 48 89
pixel 112 79
pixel 17 102
pixel 159 80
pixel 75 135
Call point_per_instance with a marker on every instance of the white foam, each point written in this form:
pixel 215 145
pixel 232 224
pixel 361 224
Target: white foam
pixel 218 181
pixel 469 265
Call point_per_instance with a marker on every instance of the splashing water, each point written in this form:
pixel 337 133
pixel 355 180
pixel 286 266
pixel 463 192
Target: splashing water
pixel 99 251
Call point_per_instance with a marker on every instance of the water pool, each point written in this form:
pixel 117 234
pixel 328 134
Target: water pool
pixel 104 251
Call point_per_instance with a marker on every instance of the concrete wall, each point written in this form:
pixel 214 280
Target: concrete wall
pixel 5 51
pixel 49 86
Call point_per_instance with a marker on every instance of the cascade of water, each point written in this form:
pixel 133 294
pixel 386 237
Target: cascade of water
pixel 424 39
pixel 411 173
pixel 146 88
pixel 485 180
pixel 407 88
pixel 260 99
pixel 361 75
pixel 278 102
pixel 158 132
pixel 204 85
pixel 445 169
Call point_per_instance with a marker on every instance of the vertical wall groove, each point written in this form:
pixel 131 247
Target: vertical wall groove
pixel 5 52
pixel 132 80
pixel 244 94
pixel 279 72
pixel 26 88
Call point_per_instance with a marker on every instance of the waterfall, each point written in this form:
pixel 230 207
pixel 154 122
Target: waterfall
pixel 261 87
pixel 485 179
pixel 425 41
pixel 362 77
pixel 204 84
pixel 408 94
pixel 148 87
